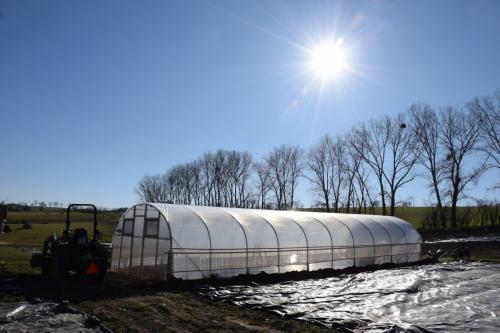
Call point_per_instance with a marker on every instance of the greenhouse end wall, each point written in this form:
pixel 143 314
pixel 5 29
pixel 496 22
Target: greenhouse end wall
pixel 191 242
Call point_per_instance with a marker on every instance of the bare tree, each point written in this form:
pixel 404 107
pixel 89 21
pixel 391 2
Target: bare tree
pixel 263 182
pixel 487 111
pixel 369 143
pixel 218 168
pixel 365 197
pixel 403 156
pixel 216 179
pixel 207 179
pixel 296 166
pixel 319 164
pixel 152 189
pixel 356 182
pixel 338 161
pixel 351 166
pixel 389 150
pixel 285 166
pixel 424 124
pixel 459 133
pixel 277 174
pixel 239 170
pixel 195 175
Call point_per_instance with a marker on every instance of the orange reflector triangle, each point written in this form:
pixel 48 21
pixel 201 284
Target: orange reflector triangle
pixel 92 269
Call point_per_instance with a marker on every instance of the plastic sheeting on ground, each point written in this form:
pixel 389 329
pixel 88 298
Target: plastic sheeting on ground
pixel 454 297
pixel 46 317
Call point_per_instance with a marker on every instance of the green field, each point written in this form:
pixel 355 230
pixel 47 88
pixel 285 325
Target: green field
pixel 59 215
pixel 34 237
pixel 16 260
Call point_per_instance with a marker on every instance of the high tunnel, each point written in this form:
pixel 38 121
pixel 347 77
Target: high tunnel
pixel 155 240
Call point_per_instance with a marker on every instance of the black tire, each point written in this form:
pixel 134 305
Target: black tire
pixel 46 265
pixel 59 273
pixel 59 263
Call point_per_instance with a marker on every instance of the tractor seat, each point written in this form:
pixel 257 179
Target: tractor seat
pixel 80 237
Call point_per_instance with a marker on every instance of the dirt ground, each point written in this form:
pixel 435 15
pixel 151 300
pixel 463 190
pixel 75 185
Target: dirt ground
pixel 186 312
pixel 130 305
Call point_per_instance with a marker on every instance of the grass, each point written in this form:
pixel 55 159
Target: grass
pixel 16 260
pixel 59 216
pixel 34 237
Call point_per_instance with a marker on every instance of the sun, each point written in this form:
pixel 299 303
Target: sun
pixel 329 60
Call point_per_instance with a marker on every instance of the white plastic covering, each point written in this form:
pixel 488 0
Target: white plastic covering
pixel 191 242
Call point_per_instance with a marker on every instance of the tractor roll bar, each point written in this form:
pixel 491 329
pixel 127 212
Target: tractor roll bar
pixel 82 205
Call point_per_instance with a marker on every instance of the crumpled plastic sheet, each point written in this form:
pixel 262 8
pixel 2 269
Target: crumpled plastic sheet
pixel 454 297
pixel 46 317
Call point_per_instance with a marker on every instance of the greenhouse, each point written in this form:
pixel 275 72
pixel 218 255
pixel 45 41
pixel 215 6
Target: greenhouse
pixel 191 242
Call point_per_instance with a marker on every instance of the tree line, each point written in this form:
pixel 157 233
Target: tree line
pixel 449 148
pixel 25 206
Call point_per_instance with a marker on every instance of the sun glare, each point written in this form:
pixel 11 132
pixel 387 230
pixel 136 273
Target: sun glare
pixel 328 60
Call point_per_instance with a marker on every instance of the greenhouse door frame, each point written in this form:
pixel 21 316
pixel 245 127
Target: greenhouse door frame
pixel 142 239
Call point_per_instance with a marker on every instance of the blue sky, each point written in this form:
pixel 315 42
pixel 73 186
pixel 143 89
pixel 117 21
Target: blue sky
pixel 95 94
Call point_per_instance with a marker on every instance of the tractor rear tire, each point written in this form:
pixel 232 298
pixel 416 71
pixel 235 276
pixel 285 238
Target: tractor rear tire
pixel 46 266
pixel 56 266
pixel 59 270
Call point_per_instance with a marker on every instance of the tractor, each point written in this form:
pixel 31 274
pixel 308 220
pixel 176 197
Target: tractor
pixel 73 253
